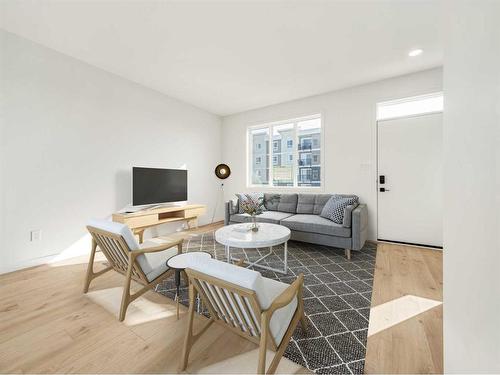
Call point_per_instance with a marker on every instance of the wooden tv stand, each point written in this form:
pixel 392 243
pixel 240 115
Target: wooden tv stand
pixel 139 221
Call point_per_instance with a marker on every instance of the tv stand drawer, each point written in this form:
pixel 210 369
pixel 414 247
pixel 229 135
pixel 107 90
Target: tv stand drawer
pixel 141 221
pixel 195 212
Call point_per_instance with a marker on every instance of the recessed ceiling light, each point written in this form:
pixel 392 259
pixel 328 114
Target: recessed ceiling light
pixel 415 52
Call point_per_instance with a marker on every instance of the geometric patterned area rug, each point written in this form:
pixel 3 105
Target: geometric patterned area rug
pixel 337 295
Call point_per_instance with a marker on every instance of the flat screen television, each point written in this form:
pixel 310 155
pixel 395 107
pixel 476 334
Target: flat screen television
pixel 157 185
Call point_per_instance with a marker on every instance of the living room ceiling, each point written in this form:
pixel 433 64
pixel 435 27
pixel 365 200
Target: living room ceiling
pixel 228 57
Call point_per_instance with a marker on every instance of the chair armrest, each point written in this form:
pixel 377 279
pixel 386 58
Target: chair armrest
pixel 161 247
pixel 294 290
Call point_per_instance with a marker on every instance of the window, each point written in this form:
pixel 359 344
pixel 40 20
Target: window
pixel 260 157
pixel 277 166
pixel 416 105
pixel 315 174
pixel 305 175
pixel 305 144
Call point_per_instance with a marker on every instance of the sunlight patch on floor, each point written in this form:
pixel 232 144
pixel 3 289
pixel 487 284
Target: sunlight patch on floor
pixel 398 310
pixel 77 253
pixel 246 363
pixel 140 311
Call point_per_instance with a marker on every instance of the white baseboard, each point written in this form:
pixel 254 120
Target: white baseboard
pixel 27 264
pixel 48 259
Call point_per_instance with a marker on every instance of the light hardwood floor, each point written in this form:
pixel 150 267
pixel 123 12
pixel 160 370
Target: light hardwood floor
pixel 406 329
pixel 48 325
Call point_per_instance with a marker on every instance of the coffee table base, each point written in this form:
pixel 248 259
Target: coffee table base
pixel 256 263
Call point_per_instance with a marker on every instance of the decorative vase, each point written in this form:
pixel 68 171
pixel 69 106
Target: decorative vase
pixel 254 226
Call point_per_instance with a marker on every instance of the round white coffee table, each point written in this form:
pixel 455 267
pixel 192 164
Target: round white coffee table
pixel 241 236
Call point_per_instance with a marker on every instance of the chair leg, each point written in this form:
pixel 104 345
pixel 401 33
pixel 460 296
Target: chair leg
pixel 303 322
pixel 261 368
pixel 90 267
pixel 188 340
pixel 126 293
pixel 300 303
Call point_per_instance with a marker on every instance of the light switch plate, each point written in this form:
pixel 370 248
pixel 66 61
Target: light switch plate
pixel 36 235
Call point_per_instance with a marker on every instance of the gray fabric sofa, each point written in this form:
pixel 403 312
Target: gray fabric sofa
pixel 300 213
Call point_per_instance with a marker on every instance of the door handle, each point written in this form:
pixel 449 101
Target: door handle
pixel 383 190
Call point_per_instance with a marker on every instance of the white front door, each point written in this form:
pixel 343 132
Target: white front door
pixel 410 180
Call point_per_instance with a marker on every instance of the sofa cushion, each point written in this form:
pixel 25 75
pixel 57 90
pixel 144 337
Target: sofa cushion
pixel 270 203
pixel 311 203
pixel 320 202
pixel 273 217
pixel 335 208
pixel 288 203
pixel 315 224
pixel 305 203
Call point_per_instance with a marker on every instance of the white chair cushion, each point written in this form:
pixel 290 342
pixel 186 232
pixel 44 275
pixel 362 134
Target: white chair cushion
pixel 282 317
pixel 154 264
pixel 235 275
pixel 116 228
pixel 265 289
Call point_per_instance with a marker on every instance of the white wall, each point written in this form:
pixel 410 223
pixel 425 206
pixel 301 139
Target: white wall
pixel 70 134
pixel 472 187
pixel 349 134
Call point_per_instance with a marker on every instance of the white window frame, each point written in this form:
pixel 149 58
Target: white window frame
pixel 409 112
pixel 270 126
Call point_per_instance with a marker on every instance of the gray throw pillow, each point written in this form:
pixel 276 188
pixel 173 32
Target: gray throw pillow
pixel 335 207
pixel 246 196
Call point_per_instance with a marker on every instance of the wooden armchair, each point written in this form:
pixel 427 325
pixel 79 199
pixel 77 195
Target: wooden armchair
pixel 144 263
pixel 261 310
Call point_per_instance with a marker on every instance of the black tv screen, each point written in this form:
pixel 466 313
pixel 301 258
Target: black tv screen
pixel 156 185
